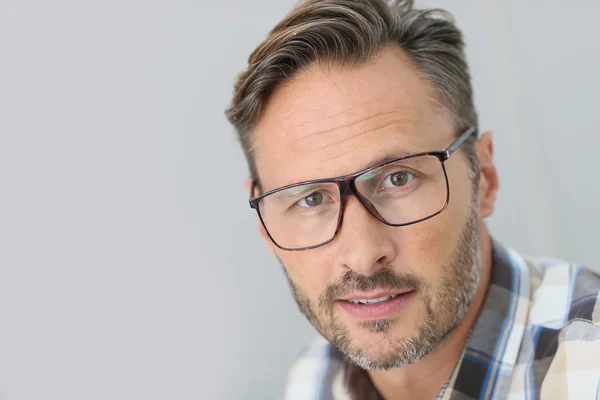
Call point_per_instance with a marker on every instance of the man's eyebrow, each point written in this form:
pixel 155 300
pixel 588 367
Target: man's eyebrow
pixel 387 157
pixel 369 175
pixel 295 191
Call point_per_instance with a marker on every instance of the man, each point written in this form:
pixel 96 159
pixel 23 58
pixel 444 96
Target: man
pixel 371 184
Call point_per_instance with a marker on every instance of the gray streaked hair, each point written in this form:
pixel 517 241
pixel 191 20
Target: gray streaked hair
pixel 348 33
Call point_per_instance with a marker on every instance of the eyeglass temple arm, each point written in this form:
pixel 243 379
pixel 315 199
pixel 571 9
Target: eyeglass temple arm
pixel 459 141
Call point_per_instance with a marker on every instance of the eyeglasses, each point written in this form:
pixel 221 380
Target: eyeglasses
pixel 400 192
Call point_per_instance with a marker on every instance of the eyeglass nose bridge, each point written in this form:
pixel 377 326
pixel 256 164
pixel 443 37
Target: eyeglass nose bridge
pixel 348 188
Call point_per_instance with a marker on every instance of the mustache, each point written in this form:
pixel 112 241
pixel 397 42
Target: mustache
pixel 384 279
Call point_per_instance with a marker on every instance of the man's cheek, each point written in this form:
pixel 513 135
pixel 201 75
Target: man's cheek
pixel 298 272
pixel 431 239
pixel 299 264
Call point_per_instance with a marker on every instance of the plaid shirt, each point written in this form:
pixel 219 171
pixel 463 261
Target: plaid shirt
pixel 536 337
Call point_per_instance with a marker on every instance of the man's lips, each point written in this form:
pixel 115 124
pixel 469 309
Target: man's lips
pixel 373 295
pixel 377 307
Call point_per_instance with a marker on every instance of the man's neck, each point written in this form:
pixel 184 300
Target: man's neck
pixel 424 379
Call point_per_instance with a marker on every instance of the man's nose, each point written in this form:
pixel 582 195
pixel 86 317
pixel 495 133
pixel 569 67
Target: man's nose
pixel 363 241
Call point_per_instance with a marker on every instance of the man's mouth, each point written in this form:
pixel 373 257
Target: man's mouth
pixel 374 301
pixel 377 305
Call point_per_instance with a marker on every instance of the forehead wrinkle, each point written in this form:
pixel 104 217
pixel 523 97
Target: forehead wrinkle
pixel 392 152
pixel 307 148
pixel 364 106
pixel 348 125
pixel 351 123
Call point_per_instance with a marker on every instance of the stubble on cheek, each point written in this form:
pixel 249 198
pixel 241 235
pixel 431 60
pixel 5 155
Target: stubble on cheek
pixel 441 303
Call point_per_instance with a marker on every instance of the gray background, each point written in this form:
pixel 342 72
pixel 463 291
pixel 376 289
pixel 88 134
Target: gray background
pixel 130 264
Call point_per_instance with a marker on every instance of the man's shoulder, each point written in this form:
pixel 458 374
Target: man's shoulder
pixel 562 339
pixel 563 293
pixel 313 371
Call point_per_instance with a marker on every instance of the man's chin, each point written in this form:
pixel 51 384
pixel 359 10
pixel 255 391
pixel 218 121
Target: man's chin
pixel 376 341
pixel 380 356
pixel 380 345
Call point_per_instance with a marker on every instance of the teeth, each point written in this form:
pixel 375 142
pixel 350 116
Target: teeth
pixel 373 301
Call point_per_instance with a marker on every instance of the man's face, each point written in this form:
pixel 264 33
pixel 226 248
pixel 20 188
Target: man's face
pixel 333 122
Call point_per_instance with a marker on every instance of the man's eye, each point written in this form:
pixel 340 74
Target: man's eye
pixel 313 200
pixel 398 179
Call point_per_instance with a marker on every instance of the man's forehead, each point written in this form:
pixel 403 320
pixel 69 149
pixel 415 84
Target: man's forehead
pixel 326 97
pixel 336 121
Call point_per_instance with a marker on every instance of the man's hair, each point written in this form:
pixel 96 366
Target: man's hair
pixel 348 33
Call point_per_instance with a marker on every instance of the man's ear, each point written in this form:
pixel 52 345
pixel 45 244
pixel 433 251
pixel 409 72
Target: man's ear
pixel 261 228
pixel 488 182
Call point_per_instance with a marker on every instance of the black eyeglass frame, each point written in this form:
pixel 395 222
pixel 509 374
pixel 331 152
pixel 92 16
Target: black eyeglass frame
pixel 347 187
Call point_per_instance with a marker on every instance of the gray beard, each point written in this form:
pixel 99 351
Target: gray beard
pixel 446 302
